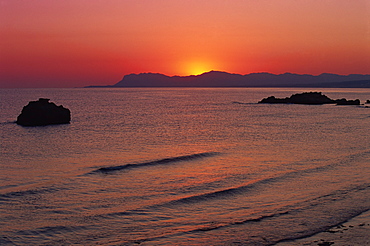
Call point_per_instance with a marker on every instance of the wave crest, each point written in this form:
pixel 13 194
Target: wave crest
pixel 156 162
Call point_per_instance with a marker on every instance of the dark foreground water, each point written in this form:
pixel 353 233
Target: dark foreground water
pixel 181 167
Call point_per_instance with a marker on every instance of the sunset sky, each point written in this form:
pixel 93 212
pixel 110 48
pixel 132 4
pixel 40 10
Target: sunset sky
pixel 73 43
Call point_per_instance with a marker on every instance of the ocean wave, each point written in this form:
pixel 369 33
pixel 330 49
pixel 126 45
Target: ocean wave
pixel 250 220
pixel 252 186
pixel 257 184
pixel 28 192
pixel 156 162
pixel 241 190
pixel 236 102
pixel 47 235
pixel 207 228
pixel 8 122
pixel 294 211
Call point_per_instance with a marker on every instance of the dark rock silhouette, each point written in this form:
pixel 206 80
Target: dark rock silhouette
pixel 42 112
pixel 310 98
pixel 344 101
pixel 303 98
pixel 224 79
pixel 367 101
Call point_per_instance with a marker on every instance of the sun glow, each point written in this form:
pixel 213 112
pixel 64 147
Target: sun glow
pixel 177 38
pixel 196 68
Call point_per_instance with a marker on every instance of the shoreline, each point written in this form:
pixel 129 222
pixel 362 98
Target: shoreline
pixel 354 232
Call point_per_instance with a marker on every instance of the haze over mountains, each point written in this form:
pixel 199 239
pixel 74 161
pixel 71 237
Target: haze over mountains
pixel 224 79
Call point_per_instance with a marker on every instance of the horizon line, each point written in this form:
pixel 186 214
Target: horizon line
pixel 195 75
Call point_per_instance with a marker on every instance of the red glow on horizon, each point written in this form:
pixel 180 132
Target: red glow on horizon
pixel 77 43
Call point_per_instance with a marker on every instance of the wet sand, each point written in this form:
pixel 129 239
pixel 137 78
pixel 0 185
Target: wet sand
pixel 355 232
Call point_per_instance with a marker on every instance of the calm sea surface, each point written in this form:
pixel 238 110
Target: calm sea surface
pixel 181 167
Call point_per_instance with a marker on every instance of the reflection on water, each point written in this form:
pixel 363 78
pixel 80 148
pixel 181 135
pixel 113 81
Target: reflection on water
pixel 181 166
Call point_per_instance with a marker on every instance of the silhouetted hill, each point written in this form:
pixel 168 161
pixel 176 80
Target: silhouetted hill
pixel 224 79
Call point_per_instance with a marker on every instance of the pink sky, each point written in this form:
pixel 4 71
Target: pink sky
pixel 73 43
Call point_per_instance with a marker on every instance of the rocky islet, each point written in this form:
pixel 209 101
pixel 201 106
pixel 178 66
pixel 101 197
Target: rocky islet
pixel 42 113
pixel 309 98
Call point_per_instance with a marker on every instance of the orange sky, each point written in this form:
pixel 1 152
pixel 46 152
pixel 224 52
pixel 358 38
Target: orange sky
pixel 72 43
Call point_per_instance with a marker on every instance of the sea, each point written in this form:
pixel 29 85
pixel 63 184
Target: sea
pixel 181 166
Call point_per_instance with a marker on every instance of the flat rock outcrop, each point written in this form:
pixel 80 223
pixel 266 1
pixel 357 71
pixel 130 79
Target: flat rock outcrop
pixel 310 98
pixel 43 112
pixel 344 101
pixel 302 98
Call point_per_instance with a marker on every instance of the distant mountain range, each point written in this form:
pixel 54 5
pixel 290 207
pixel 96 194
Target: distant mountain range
pixel 224 79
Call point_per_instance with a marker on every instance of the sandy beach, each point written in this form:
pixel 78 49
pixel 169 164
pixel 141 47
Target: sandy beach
pixel 355 232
